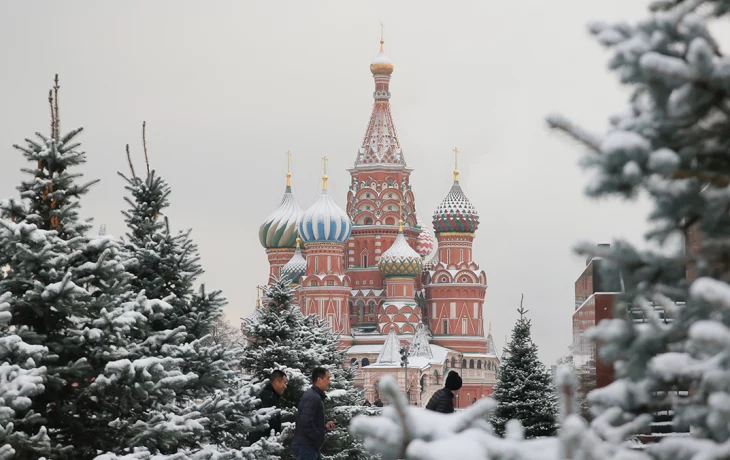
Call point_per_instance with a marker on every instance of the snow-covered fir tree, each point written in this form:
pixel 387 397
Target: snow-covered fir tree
pixel 673 145
pixel 56 283
pixel 210 404
pixel 280 337
pixel 524 389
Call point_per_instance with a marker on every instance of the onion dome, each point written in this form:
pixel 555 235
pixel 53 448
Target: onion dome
pixel 381 64
pixel 400 260
pixel 426 242
pixel 279 230
pixel 455 213
pixel 325 221
pixel 296 267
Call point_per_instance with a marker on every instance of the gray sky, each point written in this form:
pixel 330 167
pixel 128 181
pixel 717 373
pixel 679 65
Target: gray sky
pixel 227 87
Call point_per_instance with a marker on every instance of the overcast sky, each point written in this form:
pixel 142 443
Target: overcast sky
pixel 228 87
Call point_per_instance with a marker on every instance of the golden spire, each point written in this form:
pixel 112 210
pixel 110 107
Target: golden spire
pixel 258 296
pixel 490 326
pixel 299 242
pixel 324 176
pixel 382 33
pixel 288 168
pixel 456 164
pixel 400 220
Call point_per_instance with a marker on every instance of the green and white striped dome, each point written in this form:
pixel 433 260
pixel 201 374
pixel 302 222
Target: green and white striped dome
pixel 279 230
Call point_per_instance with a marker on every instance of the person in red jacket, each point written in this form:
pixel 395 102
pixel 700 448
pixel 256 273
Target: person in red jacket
pixel 443 400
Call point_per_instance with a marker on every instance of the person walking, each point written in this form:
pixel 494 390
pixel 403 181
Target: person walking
pixel 310 426
pixel 269 397
pixel 443 400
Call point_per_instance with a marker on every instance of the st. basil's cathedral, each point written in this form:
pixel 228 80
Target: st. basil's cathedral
pixel 378 276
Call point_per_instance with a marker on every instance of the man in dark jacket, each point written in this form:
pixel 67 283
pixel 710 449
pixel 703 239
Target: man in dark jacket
pixel 269 397
pixel 310 430
pixel 443 400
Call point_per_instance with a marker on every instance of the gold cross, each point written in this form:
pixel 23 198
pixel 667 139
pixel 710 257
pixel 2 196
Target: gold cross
pixel 382 31
pixel 325 164
pixel 288 161
pixel 456 158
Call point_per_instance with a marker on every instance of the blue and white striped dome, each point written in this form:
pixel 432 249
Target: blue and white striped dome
pixel 325 221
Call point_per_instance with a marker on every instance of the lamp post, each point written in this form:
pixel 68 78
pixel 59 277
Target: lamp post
pixel 404 365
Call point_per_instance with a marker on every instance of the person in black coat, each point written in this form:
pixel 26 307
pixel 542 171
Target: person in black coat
pixel 443 400
pixel 269 397
pixel 310 427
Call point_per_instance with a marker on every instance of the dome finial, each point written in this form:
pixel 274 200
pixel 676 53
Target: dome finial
pixel 381 64
pixel 299 243
pixel 258 296
pixel 288 168
pixel 324 176
pixel 456 164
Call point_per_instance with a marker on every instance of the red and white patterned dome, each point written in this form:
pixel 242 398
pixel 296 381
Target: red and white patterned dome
pixel 426 241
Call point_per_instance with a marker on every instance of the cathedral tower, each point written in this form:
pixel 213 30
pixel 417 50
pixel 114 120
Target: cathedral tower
pixel 380 186
pixel 454 284
pixel 325 288
pixel 278 233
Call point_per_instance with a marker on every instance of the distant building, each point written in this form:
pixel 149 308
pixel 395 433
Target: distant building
pixel 597 291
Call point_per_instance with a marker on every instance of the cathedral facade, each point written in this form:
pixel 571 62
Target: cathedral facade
pixel 380 277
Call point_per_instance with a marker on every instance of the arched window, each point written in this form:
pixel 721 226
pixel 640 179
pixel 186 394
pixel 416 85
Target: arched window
pixel 365 362
pixel 471 364
pixel 479 364
pixel 352 308
pixel 453 362
pixel 364 258
pixel 436 377
pixel 463 364
pixel 360 310
pixel 389 221
pixel 353 361
pixel 368 221
pixel 372 308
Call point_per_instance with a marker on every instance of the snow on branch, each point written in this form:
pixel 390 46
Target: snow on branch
pixel 712 291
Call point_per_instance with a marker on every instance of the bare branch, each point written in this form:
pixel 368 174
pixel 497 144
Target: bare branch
pixel 129 160
pixel 144 146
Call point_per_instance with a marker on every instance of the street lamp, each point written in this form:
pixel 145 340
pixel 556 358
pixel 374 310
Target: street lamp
pixel 404 365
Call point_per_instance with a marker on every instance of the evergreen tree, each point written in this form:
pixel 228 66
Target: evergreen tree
pixel 280 337
pixel 668 338
pixel 524 389
pixel 57 281
pixel 208 403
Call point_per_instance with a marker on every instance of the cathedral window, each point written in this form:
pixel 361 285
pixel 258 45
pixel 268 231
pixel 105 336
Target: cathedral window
pixel 365 362
pixel 364 260
pixel 368 221
pixel 453 362
pixel 446 327
pixel 471 364
pixel 479 364
pixel 371 307
pixel 463 364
